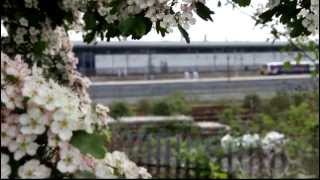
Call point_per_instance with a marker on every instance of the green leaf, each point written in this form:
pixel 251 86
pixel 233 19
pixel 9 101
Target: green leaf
pixel 298 57
pixel 90 20
pixel 203 11
pixel 287 65
pixel 242 3
pixel 113 31
pixel 267 16
pixel 89 37
pixel 184 33
pixel 39 47
pixel 93 144
pixel 137 26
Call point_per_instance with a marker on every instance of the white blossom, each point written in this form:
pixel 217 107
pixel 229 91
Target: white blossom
pixel 23 145
pixel 33 170
pixel 230 144
pixel 23 21
pixel 69 160
pixel 33 31
pixel 131 170
pixel 250 141
pixel 31 3
pixel 103 171
pixel 5 167
pixel 144 173
pixel 63 125
pixel 273 140
pixel 33 122
pixel 8 133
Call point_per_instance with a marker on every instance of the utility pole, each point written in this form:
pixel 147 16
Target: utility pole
pixel 228 67
pixel 214 63
pixel 150 66
pixel 125 73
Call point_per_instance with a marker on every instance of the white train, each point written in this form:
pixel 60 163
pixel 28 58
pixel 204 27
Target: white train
pixel 275 68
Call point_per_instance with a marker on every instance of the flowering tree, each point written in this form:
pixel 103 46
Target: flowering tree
pixel 300 25
pixel 49 126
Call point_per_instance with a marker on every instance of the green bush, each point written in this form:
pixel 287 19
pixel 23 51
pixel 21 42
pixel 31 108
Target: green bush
pixel 205 166
pixel 162 108
pixel 301 125
pixel 299 98
pixel 252 102
pixel 175 104
pixel 298 121
pixel 178 103
pixel 120 109
pixel 144 107
pixel 231 117
pixel 278 104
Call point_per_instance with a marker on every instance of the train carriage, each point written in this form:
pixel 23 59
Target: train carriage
pixel 275 68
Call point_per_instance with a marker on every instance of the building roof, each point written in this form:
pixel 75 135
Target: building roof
pixel 176 44
pixel 140 47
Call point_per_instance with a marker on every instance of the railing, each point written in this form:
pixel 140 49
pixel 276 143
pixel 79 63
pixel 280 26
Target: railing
pixel 161 153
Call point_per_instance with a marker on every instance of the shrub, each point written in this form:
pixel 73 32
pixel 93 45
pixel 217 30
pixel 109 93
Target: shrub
pixel 205 166
pixel 231 117
pixel 178 103
pixel 252 102
pixel 144 107
pixel 278 104
pixel 162 108
pixel 120 109
pixel 299 98
pixel 172 105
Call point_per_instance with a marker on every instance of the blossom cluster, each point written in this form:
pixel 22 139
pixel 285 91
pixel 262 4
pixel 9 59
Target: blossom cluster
pixel 168 13
pixel 57 61
pixel 53 44
pixel 38 40
pixel 155 10
pixel 311 17
pixel 272 141
pixel 33 108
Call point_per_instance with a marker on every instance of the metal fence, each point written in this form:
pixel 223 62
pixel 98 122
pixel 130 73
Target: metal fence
pixel 161 153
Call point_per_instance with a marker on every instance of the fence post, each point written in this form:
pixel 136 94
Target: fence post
pixel 187 168
pixel 149 151
pixel 250 161
pixel 129 144
pixel 261 162
pixel 158 156
pixel 178 157
pixel 140 148
pixel 167 158
pixel 230 163
pixel 272 165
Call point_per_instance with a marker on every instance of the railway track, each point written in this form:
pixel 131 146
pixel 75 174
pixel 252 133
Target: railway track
pixel 209 88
